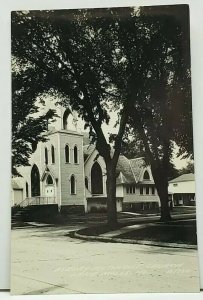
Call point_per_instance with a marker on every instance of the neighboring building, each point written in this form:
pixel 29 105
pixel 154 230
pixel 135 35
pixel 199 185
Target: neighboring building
pixel 182 189
pixel 17 191
pixel 65 172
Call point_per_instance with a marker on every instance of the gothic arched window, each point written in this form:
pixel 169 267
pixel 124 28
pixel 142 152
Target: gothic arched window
pixel 67 154
pixel 49 180
pixel 96 179
pixel 65 118
pixel 52 154
pixel 75 150
pixel 35 181
pixel 46 155
pixel 27 189
pixel 72 185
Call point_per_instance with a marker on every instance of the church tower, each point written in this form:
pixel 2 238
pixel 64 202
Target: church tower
pixel 56 171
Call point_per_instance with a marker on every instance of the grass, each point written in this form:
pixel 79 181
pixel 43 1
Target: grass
pixel 181 232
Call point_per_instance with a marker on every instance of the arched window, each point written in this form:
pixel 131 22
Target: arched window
pixel 75 150
pixel 65 118
pixel 86 182
pixel 52 154
pixel 49 179
pixel 35 181
pixel 96 179
pixel 27 189
pixel 67 154
pixel 146 176
pixel 46 155
pixel 72 185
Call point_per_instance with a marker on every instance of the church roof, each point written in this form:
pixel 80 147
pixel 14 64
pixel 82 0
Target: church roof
pixel 87 150
pixel 86 139
pixel 48 170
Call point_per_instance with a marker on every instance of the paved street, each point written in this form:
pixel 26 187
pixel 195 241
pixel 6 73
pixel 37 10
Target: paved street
pixel 45 261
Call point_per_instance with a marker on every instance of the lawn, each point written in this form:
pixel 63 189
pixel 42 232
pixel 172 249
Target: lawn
pixel 181 232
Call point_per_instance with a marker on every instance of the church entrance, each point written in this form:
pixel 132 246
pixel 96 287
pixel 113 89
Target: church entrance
pixel 49 187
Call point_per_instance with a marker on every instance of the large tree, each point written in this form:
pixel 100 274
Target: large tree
pixel 125 59
pixel 152 48
pixel 65 49
pixel 156 53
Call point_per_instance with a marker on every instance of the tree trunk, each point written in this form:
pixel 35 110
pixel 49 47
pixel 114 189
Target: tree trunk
pixel 111 195
pixel 161 184
pixel 165 209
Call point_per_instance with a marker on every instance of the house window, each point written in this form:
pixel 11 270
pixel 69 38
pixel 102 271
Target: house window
pixel 175 184
pixel 86 182
pixel 147 190
pixel 127 189
pixel 75 150
pixel 146 175
pixel 72 185
pixel 133 189
pixel 141 190
pixel 52 154
pixel 46 155
pixel 153 190
pixel 27 190
pixel 67 154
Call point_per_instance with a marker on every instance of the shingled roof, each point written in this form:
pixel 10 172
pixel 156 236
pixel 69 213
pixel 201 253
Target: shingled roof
pixel 184 177
pixel 128 170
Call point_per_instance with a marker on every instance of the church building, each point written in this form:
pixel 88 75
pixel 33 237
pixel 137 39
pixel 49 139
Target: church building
pixel 67 171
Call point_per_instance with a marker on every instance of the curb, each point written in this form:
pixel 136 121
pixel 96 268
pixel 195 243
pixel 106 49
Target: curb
pixel 128 241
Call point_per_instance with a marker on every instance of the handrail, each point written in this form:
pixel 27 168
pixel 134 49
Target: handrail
pixel 37 200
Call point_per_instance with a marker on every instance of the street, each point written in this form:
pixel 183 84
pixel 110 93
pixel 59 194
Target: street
pixel 45 261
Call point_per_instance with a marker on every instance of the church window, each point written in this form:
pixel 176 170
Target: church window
pixel 46 155
pixel 49 179
pixel 96 179
pixel 52 154
pixel 67 154
pixel 75 150
pixel 35 181
pixel 72 185
pixel 65 118
pixel 86 183
pixel 27 190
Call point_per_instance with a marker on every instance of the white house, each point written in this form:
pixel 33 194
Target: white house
pixel 182 189
pixel 68 172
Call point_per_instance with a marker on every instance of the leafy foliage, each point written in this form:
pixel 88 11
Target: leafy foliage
pixel 188 169
pixel 133 61
pixel 27 129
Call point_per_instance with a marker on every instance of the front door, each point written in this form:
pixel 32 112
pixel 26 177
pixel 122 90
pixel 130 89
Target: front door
pixel 49 191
